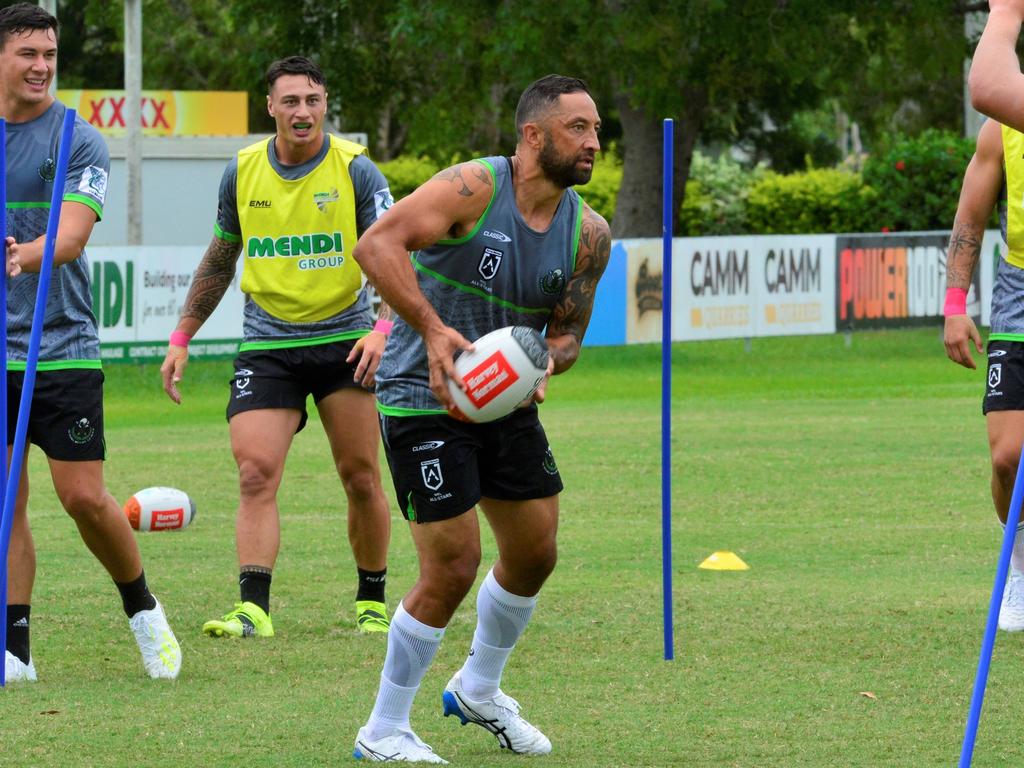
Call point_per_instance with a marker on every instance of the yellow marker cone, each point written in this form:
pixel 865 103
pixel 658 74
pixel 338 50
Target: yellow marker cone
pixel 724 561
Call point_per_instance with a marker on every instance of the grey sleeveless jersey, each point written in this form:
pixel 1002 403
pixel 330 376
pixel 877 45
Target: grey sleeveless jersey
pixel 502 273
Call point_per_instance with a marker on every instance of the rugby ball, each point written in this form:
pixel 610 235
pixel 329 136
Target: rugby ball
pixel 160 509
pixel 504 369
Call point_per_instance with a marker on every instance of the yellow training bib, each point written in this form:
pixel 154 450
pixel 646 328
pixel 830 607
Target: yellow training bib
pixel 1013 162
pixel 298 236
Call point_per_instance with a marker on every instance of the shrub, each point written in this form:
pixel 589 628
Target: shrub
pixel 818 200
pixel 405 173
pixel 716 196
pixel 917 181
pixel 602 189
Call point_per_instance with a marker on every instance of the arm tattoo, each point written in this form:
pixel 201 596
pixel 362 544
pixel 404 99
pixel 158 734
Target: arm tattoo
pixel 211 280
pixel 454 175
pixel 963 253
pixel 385 312
pixel 572 313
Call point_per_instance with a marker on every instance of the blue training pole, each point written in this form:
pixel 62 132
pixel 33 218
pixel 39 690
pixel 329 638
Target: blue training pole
pixel 32 360
pixel 666 390
pixel 980 680
pixel 5 523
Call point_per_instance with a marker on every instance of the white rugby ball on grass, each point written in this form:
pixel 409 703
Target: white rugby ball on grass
pixel 504 369
pixel 160 509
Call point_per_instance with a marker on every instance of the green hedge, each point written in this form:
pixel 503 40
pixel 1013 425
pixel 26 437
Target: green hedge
pixel 404 174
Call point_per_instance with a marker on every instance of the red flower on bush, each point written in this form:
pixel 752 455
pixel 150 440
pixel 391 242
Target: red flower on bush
pixel 900 165
pixel 885 230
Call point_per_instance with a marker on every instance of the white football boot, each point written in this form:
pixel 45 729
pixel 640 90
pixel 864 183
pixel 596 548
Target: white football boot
pixel 1011 612
pixel 161 654
pixel 499 715
pixel 401 746
pixel 17 671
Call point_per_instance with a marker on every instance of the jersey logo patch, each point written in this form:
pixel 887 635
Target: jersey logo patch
pixel 382 201
pixel 489 263
pixel 47 170
pixel 94 182
pixel 323 199
pixel 553 282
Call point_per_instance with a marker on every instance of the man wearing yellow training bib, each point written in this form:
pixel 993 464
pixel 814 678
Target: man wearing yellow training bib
pixel 293 206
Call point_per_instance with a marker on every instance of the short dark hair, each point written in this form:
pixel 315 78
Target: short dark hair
pixel 541 94
pixel 24 17
pixel 294 65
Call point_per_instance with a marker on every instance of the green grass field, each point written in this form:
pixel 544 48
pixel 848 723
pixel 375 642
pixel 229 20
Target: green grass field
pixel 853 480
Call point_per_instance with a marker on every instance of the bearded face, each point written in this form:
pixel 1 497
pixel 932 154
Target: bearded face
pixel 565 170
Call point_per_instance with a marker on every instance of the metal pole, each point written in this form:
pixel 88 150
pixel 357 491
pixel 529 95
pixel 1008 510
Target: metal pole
pixel 989 638
pixel 133 117
pixel 50 6
pixel 666 390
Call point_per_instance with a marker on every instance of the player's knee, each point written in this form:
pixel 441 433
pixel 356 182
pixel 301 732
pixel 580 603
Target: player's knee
pixel 453 576
pixel 256 478
pixel 360 486
pixel 1004 464
pixel 541 559
pixel 83 504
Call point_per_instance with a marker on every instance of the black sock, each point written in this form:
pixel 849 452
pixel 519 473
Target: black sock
pixel 254 586
pixel 135 596
pixel 371 585
pixel 17 631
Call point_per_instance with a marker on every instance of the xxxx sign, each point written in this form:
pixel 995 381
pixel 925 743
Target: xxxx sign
pixel 164 113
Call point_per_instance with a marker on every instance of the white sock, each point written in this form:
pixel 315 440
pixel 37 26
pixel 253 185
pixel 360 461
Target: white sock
pixel 501 618
pixel 1017 556
pixel 411 647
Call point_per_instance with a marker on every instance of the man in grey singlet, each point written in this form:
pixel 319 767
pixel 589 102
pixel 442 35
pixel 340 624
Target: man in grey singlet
pixel 496 241
pixel 66 419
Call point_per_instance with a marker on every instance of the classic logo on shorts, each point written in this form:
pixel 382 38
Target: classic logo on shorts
pixel 997 353
pixel 553 282
pixel 428 446
pixel 431 471
pixel 81 432
pixel 995 375
pixel 549 463
pixel 47 170
pixel 489 263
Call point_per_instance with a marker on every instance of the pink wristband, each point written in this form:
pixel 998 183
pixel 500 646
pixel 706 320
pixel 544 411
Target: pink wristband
pixel 956 302
pixel 383 326
pixel 180 339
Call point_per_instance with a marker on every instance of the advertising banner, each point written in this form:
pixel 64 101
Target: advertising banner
pixel 894 280
pixel 165 113
pixel 732 287
pixel 137 296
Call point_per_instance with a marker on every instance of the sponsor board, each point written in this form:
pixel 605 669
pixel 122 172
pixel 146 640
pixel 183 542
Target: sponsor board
pixel 893 280
pixel 164 113
pixel 732 287
pixel 137 298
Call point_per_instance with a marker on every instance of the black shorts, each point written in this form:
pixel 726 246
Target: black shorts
pixel 1004 388
pixel 442 467
pixel 283 378
pixel 66 419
